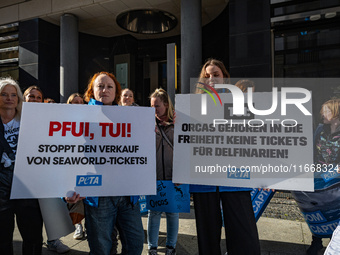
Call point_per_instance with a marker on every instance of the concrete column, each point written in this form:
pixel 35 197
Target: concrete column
pixel 171 57
pixel 191 42
pixel 68 56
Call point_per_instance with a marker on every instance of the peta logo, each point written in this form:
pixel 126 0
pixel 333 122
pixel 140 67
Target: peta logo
pixel 89 180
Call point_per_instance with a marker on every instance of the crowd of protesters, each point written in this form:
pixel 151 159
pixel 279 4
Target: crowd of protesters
pixel 107 216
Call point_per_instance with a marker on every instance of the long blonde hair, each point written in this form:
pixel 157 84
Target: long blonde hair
pixel 164 97
pixel 10 81
pixel 202 77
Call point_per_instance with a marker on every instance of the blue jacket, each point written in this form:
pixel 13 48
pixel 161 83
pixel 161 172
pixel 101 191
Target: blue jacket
pixel 93 201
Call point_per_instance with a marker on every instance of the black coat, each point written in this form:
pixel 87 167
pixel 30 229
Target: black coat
pixel 6 173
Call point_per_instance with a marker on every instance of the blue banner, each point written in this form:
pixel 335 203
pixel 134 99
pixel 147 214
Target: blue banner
pixel 260 199
pixel 169 198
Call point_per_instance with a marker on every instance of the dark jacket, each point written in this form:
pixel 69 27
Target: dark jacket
pixel 6 173
pixel 6 178
pixel 164 151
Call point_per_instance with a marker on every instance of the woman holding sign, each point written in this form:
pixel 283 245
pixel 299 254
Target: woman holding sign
pixel 240 225
pixel 102 213
pixel 164 154
pixel 26 211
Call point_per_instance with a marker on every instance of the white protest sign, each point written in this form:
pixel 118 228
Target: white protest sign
pixel 93 150
pixel 260 151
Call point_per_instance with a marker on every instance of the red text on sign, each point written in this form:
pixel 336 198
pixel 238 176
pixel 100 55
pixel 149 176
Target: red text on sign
pixel 116 129
pixel 76 129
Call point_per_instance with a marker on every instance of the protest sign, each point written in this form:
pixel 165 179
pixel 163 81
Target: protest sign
pixel 169 198
pixel 92 150
pixel 269 145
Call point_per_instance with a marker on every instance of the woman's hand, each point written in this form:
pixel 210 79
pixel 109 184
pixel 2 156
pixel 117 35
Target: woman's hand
pixel 74 199
pixel 174 117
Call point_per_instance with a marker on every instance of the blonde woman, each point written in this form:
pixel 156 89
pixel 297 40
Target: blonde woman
pixel 26 211
pixel 164 153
